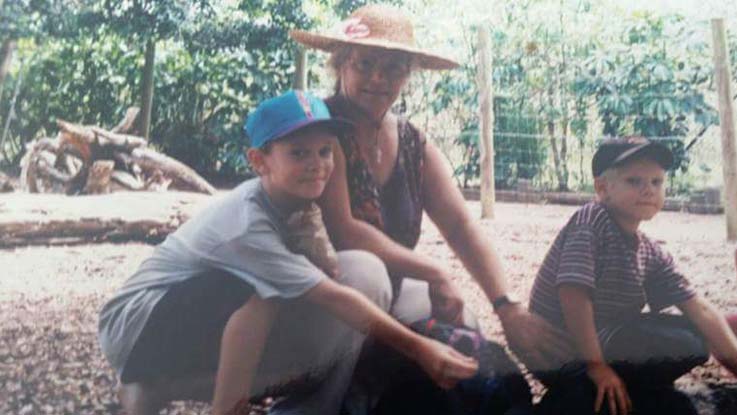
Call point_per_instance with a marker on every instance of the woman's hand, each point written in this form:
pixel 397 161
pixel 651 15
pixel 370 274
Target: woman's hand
pixel 536 342
pixel 445 365
pixel 609 386
pixel 446 301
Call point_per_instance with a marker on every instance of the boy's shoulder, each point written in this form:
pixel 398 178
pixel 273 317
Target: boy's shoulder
pixel 592 214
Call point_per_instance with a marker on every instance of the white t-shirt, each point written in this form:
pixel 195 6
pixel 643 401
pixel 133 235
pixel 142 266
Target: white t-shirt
pixel 241 233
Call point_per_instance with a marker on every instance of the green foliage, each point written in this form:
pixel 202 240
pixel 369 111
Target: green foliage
pixel 20 18
pixel 205 84
pixel 648 87
pixel 561 69
pixel 343 8
pixel 140 19
pixel 88 81
pixel 518 151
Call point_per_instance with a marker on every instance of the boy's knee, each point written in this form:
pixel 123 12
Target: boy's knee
pixel 366 273
pixel 694 347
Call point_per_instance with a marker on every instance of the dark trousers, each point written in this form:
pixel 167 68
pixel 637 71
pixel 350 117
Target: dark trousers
pixel 649 353
pixel 183 334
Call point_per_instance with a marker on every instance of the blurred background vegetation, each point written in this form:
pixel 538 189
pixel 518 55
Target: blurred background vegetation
pixel 566 73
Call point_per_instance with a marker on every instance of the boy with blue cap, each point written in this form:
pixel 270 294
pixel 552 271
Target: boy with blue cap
pixel 224 298
pixel 594 283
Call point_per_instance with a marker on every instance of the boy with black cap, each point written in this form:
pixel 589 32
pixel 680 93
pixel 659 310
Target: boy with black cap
pixel 224 299
pixel 596 279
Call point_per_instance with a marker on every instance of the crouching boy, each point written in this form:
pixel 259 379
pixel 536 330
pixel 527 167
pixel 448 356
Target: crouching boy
pixel 224 310
pixel 594 283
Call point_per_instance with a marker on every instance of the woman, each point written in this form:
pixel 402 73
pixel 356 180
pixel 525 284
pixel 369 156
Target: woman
pixel 387 174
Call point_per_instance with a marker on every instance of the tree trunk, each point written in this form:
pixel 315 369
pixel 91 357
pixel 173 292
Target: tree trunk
pixel 554 149
pixel 6 57
pixel 147 88
pixel 563 184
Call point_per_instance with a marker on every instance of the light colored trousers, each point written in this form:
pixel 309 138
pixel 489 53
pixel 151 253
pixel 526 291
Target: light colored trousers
pixel 306 339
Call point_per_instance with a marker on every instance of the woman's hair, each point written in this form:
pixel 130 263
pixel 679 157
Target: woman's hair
pixel 336 61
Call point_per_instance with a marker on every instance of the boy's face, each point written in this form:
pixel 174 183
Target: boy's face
pixel 634 192
pixel 296 169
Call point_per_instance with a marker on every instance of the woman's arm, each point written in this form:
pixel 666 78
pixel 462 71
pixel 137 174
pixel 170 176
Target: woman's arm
pixel 713 326
pixel 442 363
pixel 532 338
pixel 346 232
pixel 578 313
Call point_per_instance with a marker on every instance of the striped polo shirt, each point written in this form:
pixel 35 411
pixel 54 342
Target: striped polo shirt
pixel 622 272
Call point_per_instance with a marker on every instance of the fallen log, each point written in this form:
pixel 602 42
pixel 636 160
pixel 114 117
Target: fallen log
pixel 41 219
pixel 7 184
pixel 79 132
pixel 120 141
pixel 183 176
pixel 71 163
pixel 30 162
pixel 127 180
pixel 129 122
pixel 98 178
pixel 83 231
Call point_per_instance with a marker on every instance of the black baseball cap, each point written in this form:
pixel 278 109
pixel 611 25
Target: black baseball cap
pixel 616 151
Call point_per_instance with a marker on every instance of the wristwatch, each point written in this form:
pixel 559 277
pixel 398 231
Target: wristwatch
pixel 501 301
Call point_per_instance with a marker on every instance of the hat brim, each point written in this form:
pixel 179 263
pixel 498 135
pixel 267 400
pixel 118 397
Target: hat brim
pixel 658 152
pixel 423 59
pixel 338 126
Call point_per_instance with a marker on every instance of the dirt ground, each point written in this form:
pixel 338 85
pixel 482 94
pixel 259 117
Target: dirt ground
pixel 50 362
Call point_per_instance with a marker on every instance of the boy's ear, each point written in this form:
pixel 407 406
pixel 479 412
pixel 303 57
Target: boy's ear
pixel 256 159
pixel 600 187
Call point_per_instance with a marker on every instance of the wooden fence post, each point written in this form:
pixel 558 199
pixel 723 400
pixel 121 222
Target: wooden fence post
pixel 147 88
pixel 486 122
pixel 300 70
pixel 727 125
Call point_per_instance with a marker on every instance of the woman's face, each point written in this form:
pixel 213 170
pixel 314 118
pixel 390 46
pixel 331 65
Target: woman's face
pixel 372 78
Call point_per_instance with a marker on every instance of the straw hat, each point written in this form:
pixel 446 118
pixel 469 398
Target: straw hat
pixel 376 25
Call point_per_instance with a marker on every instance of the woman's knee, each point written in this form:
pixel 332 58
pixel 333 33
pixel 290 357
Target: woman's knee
pixel 366 273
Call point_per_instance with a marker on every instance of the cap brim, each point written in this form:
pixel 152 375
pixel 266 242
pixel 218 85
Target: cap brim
pixel 336 125
pixel 658 152
pixel 424 59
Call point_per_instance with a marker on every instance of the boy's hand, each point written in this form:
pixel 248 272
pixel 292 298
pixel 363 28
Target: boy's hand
pixel 308 236
pixel 445 365
pixel 446 301
pixel 610 386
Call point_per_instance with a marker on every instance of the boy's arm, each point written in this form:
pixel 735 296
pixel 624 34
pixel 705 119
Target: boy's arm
pixel 578 313
pixel 714 327
pixel 444 365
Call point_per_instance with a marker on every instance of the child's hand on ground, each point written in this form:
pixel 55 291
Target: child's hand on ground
pixel 308 236
pixel 610 386
pixel 445 365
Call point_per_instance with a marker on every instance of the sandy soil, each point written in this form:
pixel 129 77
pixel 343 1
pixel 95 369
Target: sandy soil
pixel 50 362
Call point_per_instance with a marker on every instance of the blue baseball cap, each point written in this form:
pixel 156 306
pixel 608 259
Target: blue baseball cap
pixel 277 117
